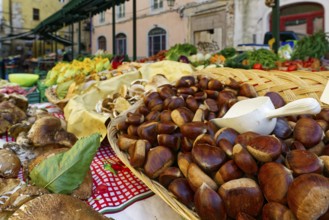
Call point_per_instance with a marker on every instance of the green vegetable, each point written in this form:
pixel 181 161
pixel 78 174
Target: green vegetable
pixel 238 61
pixel 228 52
pixel 62 89
pixel 65 171
pixel 178 50
pixel 265 57
pixel 314 46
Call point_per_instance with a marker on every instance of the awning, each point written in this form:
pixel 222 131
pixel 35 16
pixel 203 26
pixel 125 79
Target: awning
pixel 31 35
pixel 74 11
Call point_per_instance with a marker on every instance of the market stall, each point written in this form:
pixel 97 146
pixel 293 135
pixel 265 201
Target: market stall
pixel 144 135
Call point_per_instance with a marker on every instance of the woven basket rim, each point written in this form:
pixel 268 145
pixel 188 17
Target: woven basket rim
pixel 52 98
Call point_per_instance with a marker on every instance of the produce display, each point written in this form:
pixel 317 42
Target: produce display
pixel 217 172
pixel 53 162
pixel 161 110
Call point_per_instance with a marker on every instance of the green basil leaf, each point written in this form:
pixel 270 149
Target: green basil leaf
pixel 64 172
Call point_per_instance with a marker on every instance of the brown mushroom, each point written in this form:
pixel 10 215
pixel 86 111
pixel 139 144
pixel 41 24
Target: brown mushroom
pixel 56 206
pixel 48 130
pixel 9 164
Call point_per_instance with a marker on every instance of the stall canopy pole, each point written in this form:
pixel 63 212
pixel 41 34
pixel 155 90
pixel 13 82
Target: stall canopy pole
pixel 79 39
pixel 113 28
pixel 56 48
pixel 276 25
pixel 72 39
pixel 134 31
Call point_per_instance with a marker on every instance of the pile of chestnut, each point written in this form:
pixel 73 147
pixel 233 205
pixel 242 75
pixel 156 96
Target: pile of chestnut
pixel 219 173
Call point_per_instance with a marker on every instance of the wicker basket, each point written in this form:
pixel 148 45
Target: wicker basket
pixel 291 85
pixel 51 96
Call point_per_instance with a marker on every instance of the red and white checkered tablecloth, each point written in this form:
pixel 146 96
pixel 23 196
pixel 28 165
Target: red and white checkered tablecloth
pixel 116 190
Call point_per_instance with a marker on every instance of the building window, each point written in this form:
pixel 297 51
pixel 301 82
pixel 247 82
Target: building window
pixel 157 40
pixel 121 9
pixel 102 17
pixel 157 4
pixel 121 44
pixel 36 14
pixel 102 43
pixel 302 18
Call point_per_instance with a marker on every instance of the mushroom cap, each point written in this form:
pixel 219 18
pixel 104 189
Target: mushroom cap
pixel 54 207
pixel 10 164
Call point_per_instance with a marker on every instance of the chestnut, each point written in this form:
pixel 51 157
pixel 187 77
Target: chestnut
pixel 265 148
pixel 308 132
pixel 244 160
pixel 169 140
pixel 166 91
pixel 148 131
pixel 211 105
pixel 122 125
pixel 204 139
pixel 186 144
pixel 132 130
pixel 186 81
pixel 192 103
pixel 196 177
pixel 125 141
pixel 193 129
pixel 282 128
pixel 138 152
pixel 323 114
pixel 199 115
pixel 241 195
pixel 155 104
pixel 175 102
pixel 208 157
pixel 225 97
pixel 245 138
pixel 276 99
pixel 277 211
pixel 166 127
pixel 215 84
pixel 247 90
pixel 203 82
pixel 157 160
pixel 183 160
pixel 308 196
pixel 208 204
pixel 181 116
pixel 165 116
pixel 213 94
pixel 274 180
pixel 150 96
pixel 325 161
pixel 135 119
pixel 244 216
pixel 226 146
pixel 182 191
pixel 303 161
pixel 168 175
pixel 228 171
pixel 226 133
pixel 152 116
pixel 185 91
